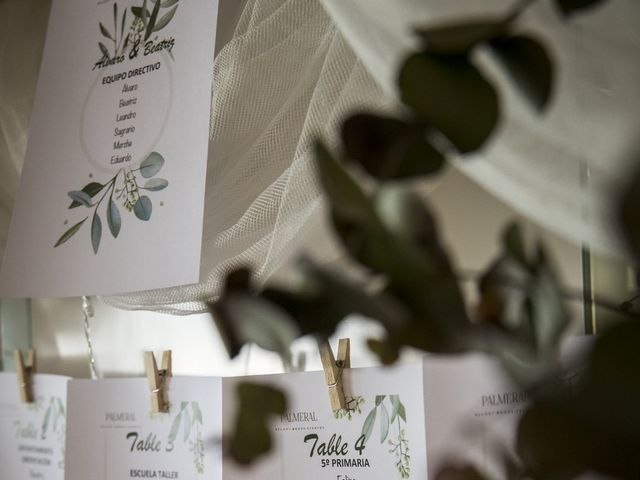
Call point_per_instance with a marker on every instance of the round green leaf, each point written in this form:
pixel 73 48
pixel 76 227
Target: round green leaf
pixel 156 184
pixel 527 63
pixel 80 197
pixel 388 148
pixel 90 189
pixel 151 165
pixel 450 93
pixel 143 208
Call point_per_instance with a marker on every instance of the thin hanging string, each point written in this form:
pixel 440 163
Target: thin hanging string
pixel 87 311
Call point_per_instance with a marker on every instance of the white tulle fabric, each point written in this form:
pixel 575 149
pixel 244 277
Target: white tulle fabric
pixel 294 68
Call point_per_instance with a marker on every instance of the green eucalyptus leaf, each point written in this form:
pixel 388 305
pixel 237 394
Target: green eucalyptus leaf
pixel 460 38
pixel 389 148
pixel 115 20
pixel 165 19
pixel 96 232
pixel 70 232
pixel 367 427
pixel 168 3
pixel 105 32
pixel 384 423
pixel 80 197
pixel 151 165
pixel 91 189
pixel 255 320
pixel 175 427
pixel 152 20
pixel 379 399
pixel 570 7
pixel 113 218
pixel 143 208
pixel 450 94
pixel 257 405
pixel 528 64
pixel 156 184
pixel 104 50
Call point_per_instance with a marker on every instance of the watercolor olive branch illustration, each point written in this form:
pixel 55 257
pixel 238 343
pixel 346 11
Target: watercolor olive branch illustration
pixel 124 185
pixel 192 427
pixel 399 446
pixel 143 24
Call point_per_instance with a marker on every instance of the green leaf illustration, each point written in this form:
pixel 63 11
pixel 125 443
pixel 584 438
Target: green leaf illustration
pixel 166 18
pixel 113 218
pixel 143 208
pixel 379 399
pixel 60 407
pixel 144 14
pixel 395 403
pixel 156 184
pixel 115 20
pixel 402 412
pixel 96 232
pixel 197 414
pixel 151 165
pixel 45 422
pixel 384 423
pixel 91 189
pixel 175 426
pixel 104 50
pixel 168 3
pixel 81 197
pixel 105 32
pixel 137 12
pixel 152 20
pixel 124 18
pixel 187 424
pixel 367 427
pixel 70 233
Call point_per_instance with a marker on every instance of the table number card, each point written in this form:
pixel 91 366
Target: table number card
pixel 32 435
pixel 381 436
pixel 112 191
pixel 111 434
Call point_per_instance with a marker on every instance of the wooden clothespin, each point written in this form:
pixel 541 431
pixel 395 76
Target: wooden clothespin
pixel 333 368
pixel 157 380
pixel 25 374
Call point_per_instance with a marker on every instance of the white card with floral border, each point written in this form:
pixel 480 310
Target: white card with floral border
pixel 111 434
pixel 380 436
pixel 112 190
pixel 32 435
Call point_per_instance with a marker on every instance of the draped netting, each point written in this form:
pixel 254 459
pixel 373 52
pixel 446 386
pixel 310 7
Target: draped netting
pixel 286 77
pixel 294 68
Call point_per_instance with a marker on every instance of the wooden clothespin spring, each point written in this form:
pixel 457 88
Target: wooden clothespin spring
pixel 25 374
pixel 333 368
pixel 157 380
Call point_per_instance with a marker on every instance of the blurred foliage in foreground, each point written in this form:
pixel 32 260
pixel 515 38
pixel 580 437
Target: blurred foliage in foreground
pixel 408 282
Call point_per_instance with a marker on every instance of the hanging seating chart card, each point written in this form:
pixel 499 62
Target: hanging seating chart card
pixel 112 435
pixel 112 190
pixel 32 435
pixel 381 435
